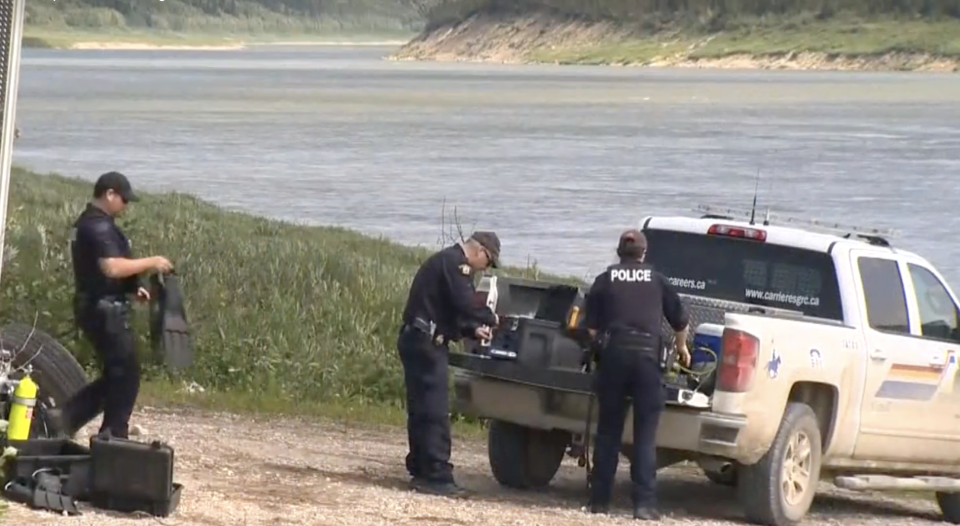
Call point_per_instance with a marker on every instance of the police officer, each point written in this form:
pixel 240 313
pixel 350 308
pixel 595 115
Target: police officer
pixel 442 307
pixel 106 274
pixel 625 306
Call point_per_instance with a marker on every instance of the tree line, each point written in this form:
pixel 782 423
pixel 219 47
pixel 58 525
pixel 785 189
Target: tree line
pixel 277 16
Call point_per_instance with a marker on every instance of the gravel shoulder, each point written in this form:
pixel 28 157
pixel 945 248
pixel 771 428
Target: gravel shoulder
pixel 244 471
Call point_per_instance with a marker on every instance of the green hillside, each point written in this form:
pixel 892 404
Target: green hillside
pixel 677 31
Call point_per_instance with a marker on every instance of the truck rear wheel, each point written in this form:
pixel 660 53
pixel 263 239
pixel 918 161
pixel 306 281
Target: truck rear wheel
pixel 949 506
pixel 524 458
pixel 779 489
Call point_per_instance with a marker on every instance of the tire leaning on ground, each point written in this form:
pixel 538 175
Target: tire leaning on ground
pixel 779 489
pixel 524 458
pixel 56 372
pixel 949 506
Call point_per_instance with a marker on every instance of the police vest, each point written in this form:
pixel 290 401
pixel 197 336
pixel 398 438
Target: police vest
pixel 634 298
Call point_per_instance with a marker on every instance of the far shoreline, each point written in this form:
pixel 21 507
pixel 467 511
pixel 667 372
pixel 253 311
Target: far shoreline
pixel 800 61
pixel 40 38
pixel 141 46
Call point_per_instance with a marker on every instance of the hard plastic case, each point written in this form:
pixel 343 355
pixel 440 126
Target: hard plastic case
pixel 130 476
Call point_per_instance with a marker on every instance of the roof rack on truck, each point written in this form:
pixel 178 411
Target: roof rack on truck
pixel 874 236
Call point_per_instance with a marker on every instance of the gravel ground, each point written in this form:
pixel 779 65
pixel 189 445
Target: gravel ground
pixel 242 472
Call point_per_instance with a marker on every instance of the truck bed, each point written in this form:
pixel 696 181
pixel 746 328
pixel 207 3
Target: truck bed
pixel 534 346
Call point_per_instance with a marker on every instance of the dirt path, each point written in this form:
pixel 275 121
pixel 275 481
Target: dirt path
pixel 242 472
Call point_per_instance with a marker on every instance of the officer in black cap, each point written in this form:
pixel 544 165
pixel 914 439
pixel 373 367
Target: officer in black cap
pixel 625 307
pixel 106 274
pixel 442 307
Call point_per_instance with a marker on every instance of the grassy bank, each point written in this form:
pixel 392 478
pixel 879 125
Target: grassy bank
pixel 850 37
pixel 646 32
pixel 285 317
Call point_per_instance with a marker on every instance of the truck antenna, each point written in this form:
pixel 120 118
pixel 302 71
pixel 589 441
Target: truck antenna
pixel 753 208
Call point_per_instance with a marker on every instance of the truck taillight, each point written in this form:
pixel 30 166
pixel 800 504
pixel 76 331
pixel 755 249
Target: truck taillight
pixel 738 231
pixel 738 361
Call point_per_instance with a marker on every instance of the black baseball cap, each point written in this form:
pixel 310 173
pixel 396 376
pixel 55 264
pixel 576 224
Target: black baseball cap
pixel 632 243
pixel 117 182
pixel 491 243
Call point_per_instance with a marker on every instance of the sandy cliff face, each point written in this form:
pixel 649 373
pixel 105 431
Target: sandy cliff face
pixel 506 38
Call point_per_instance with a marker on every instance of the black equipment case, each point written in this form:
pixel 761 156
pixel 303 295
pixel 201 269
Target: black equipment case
pixel 130 476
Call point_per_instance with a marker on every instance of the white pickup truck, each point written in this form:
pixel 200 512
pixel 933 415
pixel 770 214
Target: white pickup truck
pixel 838 358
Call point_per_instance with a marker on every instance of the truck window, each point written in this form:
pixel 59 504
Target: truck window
pixel 938 312
pixel 757 273
pixel 883 292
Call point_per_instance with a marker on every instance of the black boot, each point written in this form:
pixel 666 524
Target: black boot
pixel 645 513
pixel 596 507
pixel 442 489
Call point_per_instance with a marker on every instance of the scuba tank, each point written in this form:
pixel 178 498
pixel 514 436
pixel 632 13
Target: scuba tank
pixel 21 410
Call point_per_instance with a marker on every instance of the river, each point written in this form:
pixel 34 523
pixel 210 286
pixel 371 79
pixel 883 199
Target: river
pixel 557 159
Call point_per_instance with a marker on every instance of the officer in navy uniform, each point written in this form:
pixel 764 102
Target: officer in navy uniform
pixel 625 307
pixel 442 307
pixel 105 275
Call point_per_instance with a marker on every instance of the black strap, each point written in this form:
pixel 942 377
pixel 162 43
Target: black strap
pixel 44 492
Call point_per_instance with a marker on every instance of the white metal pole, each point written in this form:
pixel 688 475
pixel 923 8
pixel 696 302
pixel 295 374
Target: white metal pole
pixel 11 16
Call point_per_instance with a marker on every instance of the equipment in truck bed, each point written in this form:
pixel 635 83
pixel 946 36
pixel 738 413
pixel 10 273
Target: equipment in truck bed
pixel 541 339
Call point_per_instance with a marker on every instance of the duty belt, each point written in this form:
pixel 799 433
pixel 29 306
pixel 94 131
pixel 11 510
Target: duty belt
pixel 426 327
pixel 634 341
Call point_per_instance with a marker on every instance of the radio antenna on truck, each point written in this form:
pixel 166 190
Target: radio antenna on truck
pixel 756 190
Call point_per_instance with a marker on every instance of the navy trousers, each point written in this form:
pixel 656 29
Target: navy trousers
pixel 425 375
pixel 621 375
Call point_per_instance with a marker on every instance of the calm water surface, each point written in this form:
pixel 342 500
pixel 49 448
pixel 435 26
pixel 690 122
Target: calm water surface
pixel 557 159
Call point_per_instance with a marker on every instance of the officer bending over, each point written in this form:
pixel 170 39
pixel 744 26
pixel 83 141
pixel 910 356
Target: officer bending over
pixel 625 306
pixel 105 273
pixel 442 307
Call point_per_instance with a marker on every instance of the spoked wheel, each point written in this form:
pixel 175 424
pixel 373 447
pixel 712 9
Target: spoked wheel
pixel 795 476
pixel 57 373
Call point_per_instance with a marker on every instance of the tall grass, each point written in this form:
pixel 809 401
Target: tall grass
pixel 279 311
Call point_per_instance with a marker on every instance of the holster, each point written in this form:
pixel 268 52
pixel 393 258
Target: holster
pixel 115 315
pixel 595 349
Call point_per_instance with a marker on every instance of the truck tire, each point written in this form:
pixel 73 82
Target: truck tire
pixel 793 461
pixel 949 506
pixel 56 372
pixel 524 458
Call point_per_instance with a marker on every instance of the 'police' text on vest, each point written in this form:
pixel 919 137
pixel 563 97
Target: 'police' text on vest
pixel 630 274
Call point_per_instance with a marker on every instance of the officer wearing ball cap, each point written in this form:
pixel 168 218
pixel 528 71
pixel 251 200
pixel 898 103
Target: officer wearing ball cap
pixel 106 274
pixel 441 308
pixel 625 307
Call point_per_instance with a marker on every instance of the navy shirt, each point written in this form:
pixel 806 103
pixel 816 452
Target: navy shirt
pixel 96 237
pixel 443 292
pixel 633 296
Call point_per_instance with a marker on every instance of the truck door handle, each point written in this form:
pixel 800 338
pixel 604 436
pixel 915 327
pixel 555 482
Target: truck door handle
pixel 878 354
